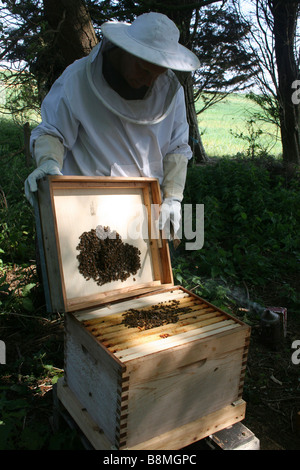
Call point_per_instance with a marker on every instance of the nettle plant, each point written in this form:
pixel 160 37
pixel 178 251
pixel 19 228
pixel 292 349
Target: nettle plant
pixel 251 224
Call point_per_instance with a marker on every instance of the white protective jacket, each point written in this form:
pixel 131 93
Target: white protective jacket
pixel 106 135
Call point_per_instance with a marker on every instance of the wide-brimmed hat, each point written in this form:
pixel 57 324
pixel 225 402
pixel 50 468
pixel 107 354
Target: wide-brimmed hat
pixel 154 38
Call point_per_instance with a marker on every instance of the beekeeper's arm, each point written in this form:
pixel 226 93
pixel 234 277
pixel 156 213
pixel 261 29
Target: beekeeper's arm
pixel 49 140
pixel 48 152
pixel 175 169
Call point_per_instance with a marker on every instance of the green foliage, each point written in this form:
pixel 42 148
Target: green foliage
pixel 211 290
pixel 252 138
pixel 252 225
pixel 226 130
pixel 24 407
pixel 19 96
pixel 268 110
pixel 224 62
pixel 16 216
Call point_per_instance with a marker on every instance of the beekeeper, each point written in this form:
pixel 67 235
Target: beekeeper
pixel 120 111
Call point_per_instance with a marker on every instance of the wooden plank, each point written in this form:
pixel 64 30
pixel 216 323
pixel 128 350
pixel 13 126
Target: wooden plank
pixel 178 385
pixel 94 376
pixel 51 246
pixel 153 245
pixel 119 337
pixel 172 440
pixel 201 370
pixel 156 233
pixel 115 327
pixel 82 418
pixel 88 301
pixel 130 335
pixel 58 181
pixel 42 260
pixel 141 302
pixel 142 350
pixel 164 252
pixel 129 340
pixel 193 431
pixel 106 321
pixel 169 360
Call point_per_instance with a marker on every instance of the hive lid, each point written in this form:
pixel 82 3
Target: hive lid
pixel 69 207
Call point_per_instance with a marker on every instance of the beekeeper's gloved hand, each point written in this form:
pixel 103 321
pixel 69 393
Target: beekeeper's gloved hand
pixel 49 155
pixel 170 216
pixel 175 168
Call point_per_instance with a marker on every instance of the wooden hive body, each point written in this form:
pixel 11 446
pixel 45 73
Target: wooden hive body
pixel 140 385
pixel 158 388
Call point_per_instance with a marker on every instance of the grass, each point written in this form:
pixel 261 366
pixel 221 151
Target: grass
pixel 221 124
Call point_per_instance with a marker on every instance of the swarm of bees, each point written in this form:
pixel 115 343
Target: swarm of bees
pixel 104 257
pixel 158 315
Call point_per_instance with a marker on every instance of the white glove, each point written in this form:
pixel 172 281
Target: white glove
pixel 170 213
pixel 175 168
pixel 48 167
pixel 49 154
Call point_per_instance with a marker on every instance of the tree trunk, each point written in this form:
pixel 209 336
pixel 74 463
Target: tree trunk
pixel 196 144
pixel 73 37
pixel 76 36
pixel 195 141
pixel 182 17
pixel 285 19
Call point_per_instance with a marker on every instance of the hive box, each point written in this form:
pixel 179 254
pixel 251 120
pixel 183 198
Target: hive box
pixel 131 387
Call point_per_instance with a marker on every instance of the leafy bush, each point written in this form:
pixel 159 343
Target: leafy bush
pixel 16 215
pixel 251 225
pixel 17 229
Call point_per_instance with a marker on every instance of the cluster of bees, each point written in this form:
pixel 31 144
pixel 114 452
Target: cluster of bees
pixel 158 315
pixel 104 257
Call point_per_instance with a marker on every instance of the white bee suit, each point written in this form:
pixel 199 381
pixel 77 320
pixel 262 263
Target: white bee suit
pixel 105 134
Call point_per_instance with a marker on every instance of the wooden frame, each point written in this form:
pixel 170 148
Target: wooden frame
pixel 60 198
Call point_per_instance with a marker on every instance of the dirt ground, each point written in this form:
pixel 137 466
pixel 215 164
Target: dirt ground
pixel 272 391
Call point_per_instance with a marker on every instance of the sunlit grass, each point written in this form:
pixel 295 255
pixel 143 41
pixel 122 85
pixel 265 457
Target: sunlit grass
pixel 220 124
pixel 14 99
